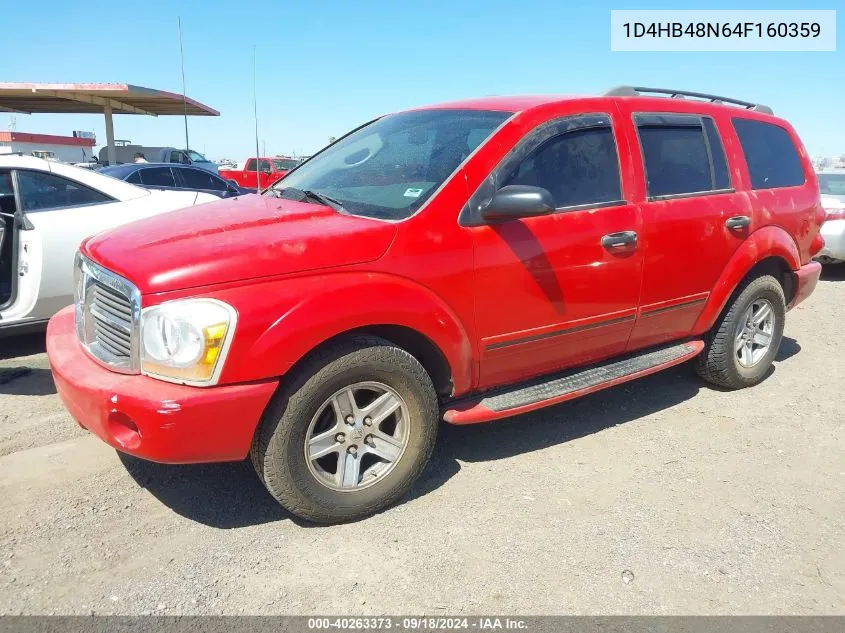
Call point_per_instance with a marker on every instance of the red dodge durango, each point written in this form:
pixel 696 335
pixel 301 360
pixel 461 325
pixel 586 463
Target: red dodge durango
pixel 461 262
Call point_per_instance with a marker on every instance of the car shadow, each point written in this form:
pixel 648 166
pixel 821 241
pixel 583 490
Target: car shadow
pixel 224 496
pixel 24 369
pixel 26 381
pixel 571 420
pixel 789 347
pixel 227 496
pixel 23 345
pixel 833 272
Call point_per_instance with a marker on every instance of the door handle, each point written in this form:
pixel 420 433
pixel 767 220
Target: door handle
pixel 623 239
pixel 738 222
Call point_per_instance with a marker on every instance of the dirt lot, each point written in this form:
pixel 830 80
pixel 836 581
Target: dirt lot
pixel 660 496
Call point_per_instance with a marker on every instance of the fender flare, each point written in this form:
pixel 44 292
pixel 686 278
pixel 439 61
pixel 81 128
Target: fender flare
pixel 769 241
pixel 366 300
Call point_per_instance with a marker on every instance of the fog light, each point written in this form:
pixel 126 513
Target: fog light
pixel 124 431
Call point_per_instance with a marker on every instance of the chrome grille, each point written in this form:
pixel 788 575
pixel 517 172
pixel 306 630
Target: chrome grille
pixel 108 311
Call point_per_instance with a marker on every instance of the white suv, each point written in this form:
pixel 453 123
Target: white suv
pixel 832 189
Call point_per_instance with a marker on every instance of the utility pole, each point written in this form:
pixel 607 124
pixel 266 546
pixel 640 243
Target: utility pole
pixel 184 98
pixel 255 114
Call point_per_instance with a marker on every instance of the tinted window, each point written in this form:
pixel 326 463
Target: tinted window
pixel 250 165
pixel 201 179
pixel 7 196
pixel 264 165
pixel 157 177
pixel 770 155
pixel 579 167
pixel 285 164
pixel 389 168
pixel 134 178
pixel 39 190
pixel 6 184
pixel 118 171
pixel 721 178
pixel 676 160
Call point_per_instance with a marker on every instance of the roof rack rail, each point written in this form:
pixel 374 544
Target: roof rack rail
pixel 636 91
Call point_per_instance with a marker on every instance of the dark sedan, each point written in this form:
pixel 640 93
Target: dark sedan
pixel 176 177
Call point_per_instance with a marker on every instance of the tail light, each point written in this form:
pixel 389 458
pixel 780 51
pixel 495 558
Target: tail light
pixel 834 214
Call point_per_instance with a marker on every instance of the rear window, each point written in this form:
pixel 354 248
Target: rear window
pixel 158 177
pixel 683 155
pixel 770 154
pixel 201 179
pixel 832 184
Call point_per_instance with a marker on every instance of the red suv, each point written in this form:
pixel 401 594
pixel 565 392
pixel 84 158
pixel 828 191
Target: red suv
pixel 467 261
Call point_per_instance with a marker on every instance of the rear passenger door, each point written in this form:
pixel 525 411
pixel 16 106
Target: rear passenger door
pixel 158 178
pixel 198 179
pixel 693 221
pixel 249 178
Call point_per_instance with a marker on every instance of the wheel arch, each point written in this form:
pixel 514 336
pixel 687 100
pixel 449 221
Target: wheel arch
pixel 770 250
pixel 405 313
pixel 418 345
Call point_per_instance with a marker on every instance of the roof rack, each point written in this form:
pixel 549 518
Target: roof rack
pixel 636 91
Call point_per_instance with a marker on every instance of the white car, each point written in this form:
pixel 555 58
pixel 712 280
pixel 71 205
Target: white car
pixel 46 210
pixel 832 189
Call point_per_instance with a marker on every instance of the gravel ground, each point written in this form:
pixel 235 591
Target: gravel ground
pixel 662 496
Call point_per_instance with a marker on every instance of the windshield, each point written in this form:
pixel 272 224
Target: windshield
pixel 284 164
pixel 389 168
pixel 832 184
pixel 196 157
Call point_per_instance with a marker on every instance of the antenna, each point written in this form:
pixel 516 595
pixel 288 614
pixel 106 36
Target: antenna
pixel 255 114
pixel 184 98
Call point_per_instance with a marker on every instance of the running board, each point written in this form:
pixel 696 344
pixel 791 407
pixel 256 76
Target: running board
pixel 567 385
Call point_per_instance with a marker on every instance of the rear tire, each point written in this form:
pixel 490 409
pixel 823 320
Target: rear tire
pixel 739 349
pixel 326 469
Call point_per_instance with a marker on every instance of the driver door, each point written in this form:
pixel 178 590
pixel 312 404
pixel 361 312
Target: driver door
pixel 551 291
pixel 63 213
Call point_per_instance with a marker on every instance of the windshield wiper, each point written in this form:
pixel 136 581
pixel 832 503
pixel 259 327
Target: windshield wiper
pixel 313 195
pixel 324 199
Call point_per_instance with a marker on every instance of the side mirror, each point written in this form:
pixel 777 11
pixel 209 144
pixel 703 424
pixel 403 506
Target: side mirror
pixel 518 201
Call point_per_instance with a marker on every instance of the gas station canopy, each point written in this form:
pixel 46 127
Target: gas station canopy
pixel 41 98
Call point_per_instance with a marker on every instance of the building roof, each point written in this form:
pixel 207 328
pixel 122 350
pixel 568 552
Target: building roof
pixel 33 98
pixel 51 139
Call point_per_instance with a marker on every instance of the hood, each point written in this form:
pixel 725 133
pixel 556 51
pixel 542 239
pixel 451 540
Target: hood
pixel 236 239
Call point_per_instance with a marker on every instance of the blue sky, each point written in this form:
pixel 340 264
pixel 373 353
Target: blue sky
pixel 327 66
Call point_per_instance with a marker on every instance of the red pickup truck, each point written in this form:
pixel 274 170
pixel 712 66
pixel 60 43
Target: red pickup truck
pixel 263 170
pixel 462 262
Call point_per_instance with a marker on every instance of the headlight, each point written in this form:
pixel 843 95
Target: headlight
pixel 186 341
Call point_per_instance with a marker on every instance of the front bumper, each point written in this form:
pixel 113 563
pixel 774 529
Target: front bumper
pixel 148 418
pixel 806 279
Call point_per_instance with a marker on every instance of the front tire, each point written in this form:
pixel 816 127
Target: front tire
pixel 739 349
pixel 350 433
